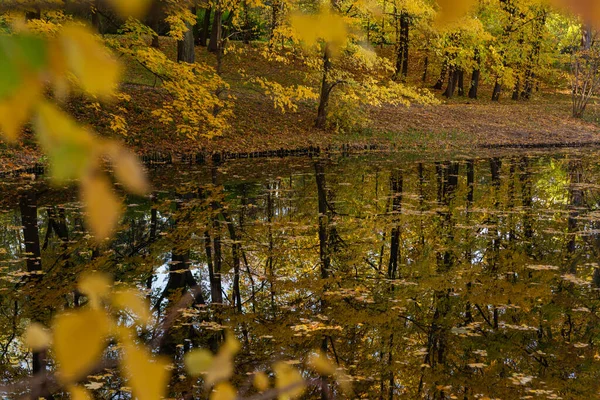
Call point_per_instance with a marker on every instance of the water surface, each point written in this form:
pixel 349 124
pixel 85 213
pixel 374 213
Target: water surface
pixel 466 278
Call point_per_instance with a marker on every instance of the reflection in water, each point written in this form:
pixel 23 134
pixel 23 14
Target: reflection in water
pixel 462 279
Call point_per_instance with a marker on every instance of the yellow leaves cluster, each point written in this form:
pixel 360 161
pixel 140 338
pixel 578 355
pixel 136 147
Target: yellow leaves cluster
pixel 79 338
pixel 450 10
pixel 215 368
pixel 72 54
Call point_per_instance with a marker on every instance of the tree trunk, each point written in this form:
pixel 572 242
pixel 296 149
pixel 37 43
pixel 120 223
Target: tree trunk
pixel 440 82
pixel 205 29
pixel 425 68
pixel 461 82
pixel 516 90
pixel 452 81
pixel 326 87
pixel 215 35
pixel 185 48
pixel 401 70
pixel 95 16
pixel 28 207
pixel 496 91
pixel 474 84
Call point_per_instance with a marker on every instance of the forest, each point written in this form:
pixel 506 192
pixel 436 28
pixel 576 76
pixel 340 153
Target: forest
pixel 299 199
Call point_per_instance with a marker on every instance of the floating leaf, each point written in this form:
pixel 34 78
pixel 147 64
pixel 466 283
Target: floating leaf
pixel 37 337
pixel 148 376
pixel 79 340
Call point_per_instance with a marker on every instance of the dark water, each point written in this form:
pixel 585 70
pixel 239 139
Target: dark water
pixel 461 279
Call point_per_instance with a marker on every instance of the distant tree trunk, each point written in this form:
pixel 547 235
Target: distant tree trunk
pixel 517 89
pixel 474 84
pixel 460 82
pixel 217 29
pixel 185 48
pixel 452 82
pixel 475 77
pixel 326 87
pixel 396 184
pixel 95 16
pixel 35 13
pixel 246 35
pixel 153 20
pixel 401 70
pixel 425 68
pixel 33 257
pixel 440 82
pixel 497 90
pixel 205 28
pixel 275 11
pixel 28 208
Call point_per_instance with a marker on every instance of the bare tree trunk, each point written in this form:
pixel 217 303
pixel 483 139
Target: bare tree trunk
pixel 185 48
pixel 205 29
pixel 216 33
pixel 326 87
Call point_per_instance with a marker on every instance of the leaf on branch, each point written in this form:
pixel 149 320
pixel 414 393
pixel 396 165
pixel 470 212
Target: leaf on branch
pixel 96 287
pixel 37 337
pixel 288 380
pixel 130 300
pixel 148 376
pixel 96 70
pixel 79 340
pixel 102 206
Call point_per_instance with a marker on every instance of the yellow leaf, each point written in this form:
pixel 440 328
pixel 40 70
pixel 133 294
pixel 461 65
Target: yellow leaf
pixel 79 340
pixel 451 10
pixel 16 109
pixel 79 393
pixel 223 391
pixel 97 71
pixel 261 381
pixel 37 337
pixel 321 364
pixel 130 299
pixel 326 25
pixel 134 8
pixel 288 380
pixel 128 169
pixel 198 362
pixel 148 376
pixel 69 147
pixel 103 209
pixel 96 286
pixel 231 345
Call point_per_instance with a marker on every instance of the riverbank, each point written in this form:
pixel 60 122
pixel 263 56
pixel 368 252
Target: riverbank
pixel 260 130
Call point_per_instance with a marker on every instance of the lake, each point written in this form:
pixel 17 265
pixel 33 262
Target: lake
pixel 420 277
